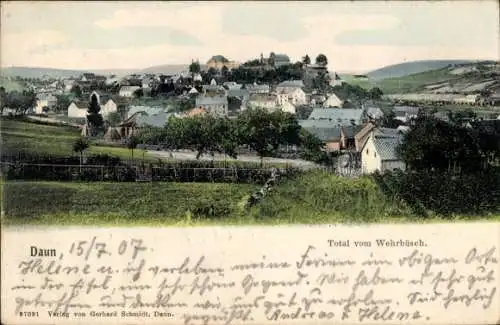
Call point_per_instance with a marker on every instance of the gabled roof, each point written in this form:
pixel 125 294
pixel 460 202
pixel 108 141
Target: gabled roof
pixel 340 116
pixel 387 147
pixel 141 119
pixel 374 112
pixel 211 100
pixel 218 58
pixel 281 57
pixel 150 110
pixel 262 97
pixel 292 83
pixel 238 93
pixel 330 133
pixel 412 110
pixel 252 88
pixel 195 112
pixel 129 88
pixel 80 104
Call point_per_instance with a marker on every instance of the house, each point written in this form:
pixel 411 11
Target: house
pixel 291 83
pixel 311 72
pixel 288 107
pixel 237 100
pixel 87 77
pixel 128 91
pixel 373 113
pixel 280 60
pixel 338 116
pixel 219 61
pixel 193 91
pixel 335 80
pixel 197 111
pixel 380 153
pixel 138 120
pixel 405 113
pixel 45 101
pixel 362 136
pixel 109 107
pixel 332 101
pixel 78 109
pixel 258 89
pixel 231 85
pixel 216 105
pixel 293 95
pixel 197 77
pixel 149 110
pixel 268 102
pixel 336 137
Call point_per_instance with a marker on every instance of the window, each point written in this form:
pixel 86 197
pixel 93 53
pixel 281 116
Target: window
pixel 375 154
pixel 367 152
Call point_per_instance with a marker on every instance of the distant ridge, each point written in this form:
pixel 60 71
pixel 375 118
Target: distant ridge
pixel 33 72
pixel 413 67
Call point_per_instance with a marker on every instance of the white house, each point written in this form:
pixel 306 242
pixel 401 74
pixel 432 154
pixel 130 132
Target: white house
pixel 216 105
pixel 405 113
pixel 293 95
pixel 288 107
pixel 45 100
pixel 379 153
pixel 267 102
pixel 77 110
pixel 108 108
pixel 128 91
pixel 332 101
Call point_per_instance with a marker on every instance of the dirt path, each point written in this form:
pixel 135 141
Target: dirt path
pixel 190 155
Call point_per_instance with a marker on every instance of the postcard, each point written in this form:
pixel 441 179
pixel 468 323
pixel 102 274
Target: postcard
pixel 230 163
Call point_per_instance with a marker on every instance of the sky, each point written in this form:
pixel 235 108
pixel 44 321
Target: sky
pixel 355 36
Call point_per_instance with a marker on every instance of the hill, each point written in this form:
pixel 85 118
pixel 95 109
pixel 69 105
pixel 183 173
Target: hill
pixel 34 72
pixel 10 85
pixel 169 69
pixel 409 68
pixel 460 79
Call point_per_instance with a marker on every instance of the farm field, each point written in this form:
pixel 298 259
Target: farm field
pixel 404 84
pixel 314 198
pixel 49 139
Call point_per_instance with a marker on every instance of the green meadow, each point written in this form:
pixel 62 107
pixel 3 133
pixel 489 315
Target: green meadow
pixel 313 198
pixel 310 198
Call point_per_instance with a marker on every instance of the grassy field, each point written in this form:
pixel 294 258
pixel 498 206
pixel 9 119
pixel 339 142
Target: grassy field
pixel 52 140
pixel 58 140
pixel 404 84
pixel 10 85
pixel 314 198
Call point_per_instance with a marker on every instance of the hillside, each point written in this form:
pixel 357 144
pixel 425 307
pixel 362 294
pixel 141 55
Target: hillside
pixel 33 72
pixel 409 68
pixel 464 78
pixel 10 85
pixel 169 69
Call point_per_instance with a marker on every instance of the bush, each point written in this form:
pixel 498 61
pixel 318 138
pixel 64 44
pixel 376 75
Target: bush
pixel 444 193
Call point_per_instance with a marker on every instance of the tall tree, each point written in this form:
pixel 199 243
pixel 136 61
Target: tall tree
pixel 132 143
pixel 94 117
pixel 3 99
pixel 264 132
pixel 306 59
pixel 194 68
pixel 81 144
pixel 321 60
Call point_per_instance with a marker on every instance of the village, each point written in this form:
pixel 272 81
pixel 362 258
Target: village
pixel 361 128
pixel 266 138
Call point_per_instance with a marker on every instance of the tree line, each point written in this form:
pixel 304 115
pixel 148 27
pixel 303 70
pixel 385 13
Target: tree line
pixel 261 131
